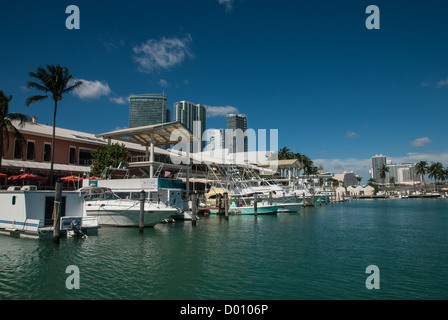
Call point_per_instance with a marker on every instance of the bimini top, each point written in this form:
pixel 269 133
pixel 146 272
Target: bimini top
pixel 164 134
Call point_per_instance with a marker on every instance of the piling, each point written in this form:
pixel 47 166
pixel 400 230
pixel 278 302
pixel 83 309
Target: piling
pixel 57 213
pixel 194 208
pixel 304 200
pixel 255 205
pixel 226 205
pixel 141 223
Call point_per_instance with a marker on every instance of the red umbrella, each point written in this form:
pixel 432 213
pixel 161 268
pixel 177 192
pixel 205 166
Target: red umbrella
pixel 71 179
pixel 95 178
pixel 30 177
pixel 13 178
pixel 2 175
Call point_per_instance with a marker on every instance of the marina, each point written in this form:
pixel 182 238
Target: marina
pixel 317 253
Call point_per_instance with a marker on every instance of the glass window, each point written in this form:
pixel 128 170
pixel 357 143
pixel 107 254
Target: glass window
pixel 17 149
pixel 30 153
pixel 47 152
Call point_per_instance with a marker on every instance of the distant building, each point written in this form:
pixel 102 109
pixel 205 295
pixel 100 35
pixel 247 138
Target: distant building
pixel 148 109
pixel 378 161
pixel 398 173
pixel 347 178
pixel 191 115
pixel 237 121
pixel 216 139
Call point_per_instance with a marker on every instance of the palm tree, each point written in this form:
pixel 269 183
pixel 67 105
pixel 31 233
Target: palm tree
pixel 54 81
pixel 6 126
pixel 382 171
pixel 436 172
pixel 421 168
pixel 285 154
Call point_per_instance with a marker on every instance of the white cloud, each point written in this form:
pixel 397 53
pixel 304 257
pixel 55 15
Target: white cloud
pixel 442 83
pixel 118 100
pixel 351 134
pixel 227 3
pixel 91 89
pixel 162 54
pixel 163 83
pixel 420 142
pixel 219 111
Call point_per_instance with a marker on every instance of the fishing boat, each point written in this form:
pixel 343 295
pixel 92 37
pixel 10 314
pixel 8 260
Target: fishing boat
pixel 250 209
pixel 111 210
pixel 28 213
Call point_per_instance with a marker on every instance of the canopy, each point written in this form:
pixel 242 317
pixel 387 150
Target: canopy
pixel 163 133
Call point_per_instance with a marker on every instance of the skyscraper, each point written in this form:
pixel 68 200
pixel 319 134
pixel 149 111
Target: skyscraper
pixel 190 114
pixel 148 109
pixel 378 161
pixel 237 121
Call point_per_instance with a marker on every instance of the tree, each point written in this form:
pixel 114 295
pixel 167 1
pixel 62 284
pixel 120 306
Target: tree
pixel 436 172
pixel 55 81
pixel 359 179
pixel 6 126
pixel 382 171
pixel 392 181
pixel 285 154
pixel 421 168
pixel 107 157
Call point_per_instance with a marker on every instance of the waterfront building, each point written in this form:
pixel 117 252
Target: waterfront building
pixel 72 156
pixel 234 122
pixel 398 173
pixel 193 117
pixel 148 109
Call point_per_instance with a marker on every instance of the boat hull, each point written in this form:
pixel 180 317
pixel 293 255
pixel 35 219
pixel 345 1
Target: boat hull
pixel 127 214
pixel 249 210
pixel 289 207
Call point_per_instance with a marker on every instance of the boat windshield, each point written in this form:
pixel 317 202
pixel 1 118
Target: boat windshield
pixel 100 194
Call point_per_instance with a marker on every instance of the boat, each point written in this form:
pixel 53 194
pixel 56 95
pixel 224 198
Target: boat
pixel 111 210
pixel 288 207
pixel 28 213
pixel 167 192
pixel 262 208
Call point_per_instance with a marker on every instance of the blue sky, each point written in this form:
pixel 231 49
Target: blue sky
pixel 336 91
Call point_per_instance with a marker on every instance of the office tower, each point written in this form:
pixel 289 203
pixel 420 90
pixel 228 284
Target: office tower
pixel 148 109
pixel 378 161
pixel 237 121
pixel 191 115
pixel 216 139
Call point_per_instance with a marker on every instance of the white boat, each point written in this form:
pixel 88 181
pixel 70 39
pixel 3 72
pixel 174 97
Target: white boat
pixel 28 213
pixel 111 210
pixel 288 207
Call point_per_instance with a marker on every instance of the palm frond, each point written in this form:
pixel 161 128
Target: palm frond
pixel 22 118
pixel 73 87
pixel 16 133
pixel 34 99
pixel 35 85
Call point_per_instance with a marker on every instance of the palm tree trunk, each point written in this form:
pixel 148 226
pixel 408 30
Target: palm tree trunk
pixel 53 138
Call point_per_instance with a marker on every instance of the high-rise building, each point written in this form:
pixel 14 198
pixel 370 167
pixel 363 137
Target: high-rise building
pixel 191 115
pixel 237 121
pixel 378 161
pixel 148 109
pixel 216 139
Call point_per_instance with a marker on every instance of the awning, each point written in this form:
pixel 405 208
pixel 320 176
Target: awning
pixel 164 134
pixel 44 166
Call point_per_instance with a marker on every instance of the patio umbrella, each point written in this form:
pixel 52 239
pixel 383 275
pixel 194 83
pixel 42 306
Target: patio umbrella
pixel 95 178
pixel 71 179
pixel 2 175
pixel 30 177
pixel 13 178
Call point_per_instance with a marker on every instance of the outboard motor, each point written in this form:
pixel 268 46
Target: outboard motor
pixel 76 228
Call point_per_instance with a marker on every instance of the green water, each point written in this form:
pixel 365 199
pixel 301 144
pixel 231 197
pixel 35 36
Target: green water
pixel 318 253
